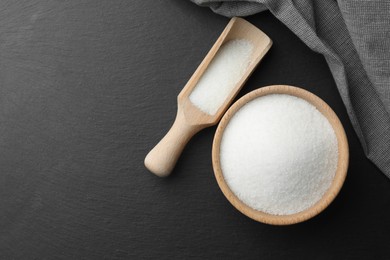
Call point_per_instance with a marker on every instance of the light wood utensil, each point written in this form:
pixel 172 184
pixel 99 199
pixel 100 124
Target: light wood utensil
pixel 190 119
pixel 342 165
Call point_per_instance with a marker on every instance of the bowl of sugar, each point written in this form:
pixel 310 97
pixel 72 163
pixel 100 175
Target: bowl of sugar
pixel 280 155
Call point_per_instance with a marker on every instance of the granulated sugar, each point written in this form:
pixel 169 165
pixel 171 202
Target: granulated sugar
pixel 221 76
pixel 279 154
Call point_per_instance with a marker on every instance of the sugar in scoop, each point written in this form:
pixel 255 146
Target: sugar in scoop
pixel 279 154
pixel 222 75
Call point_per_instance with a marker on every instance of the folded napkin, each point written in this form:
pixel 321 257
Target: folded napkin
pixel 354 37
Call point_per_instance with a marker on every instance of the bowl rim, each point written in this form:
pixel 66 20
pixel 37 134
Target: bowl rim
pixel 342 164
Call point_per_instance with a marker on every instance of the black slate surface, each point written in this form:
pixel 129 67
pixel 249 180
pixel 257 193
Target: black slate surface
pixel 88 87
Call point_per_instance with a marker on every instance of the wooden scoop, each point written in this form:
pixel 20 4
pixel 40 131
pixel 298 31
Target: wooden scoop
pixel 190 119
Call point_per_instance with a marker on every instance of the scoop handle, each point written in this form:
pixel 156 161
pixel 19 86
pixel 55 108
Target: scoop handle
pixel 163 157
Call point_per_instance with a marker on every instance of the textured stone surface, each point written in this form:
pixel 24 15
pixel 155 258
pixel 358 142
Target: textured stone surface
pixel 88 87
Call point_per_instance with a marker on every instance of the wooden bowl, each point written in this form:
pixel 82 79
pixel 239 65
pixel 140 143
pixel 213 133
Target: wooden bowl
pixel 342 164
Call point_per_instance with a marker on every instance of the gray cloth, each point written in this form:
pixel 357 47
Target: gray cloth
pixel 354 37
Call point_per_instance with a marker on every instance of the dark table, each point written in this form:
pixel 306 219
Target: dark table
pixel 89 87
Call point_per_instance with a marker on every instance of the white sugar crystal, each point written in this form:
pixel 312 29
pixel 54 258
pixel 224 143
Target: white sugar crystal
pixel 279 154
pixel 221 76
